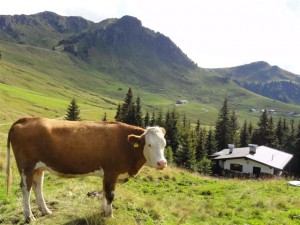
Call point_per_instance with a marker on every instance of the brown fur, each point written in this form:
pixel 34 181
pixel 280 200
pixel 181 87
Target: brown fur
pixel 75 148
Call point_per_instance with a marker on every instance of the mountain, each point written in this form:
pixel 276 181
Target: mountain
pixel 121 47
pixel 47 59
pixel 258 71
pixel 126 48
pixel 44 29
pixel 266 80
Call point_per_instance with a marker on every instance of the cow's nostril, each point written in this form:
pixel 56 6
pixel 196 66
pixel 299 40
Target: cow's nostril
pixel 162 163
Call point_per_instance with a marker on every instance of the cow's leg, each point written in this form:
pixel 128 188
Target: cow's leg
pixel 109 185
pixel 26 184
pixel 38 191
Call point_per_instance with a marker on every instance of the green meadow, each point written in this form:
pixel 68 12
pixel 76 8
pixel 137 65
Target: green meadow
pixel 171 196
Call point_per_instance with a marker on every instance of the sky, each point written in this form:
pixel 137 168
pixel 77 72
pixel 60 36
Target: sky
pixel 213 33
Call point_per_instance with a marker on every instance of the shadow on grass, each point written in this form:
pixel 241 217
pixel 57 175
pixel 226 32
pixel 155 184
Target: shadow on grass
pixel 97 219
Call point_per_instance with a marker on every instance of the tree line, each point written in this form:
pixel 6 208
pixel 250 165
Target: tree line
pixel 190 145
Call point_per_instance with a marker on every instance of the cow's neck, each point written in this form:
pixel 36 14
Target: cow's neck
pixel 137 166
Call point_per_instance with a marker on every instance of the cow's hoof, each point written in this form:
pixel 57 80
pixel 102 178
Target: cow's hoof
pixel 30 219
pixel 109 215
pixel 47 212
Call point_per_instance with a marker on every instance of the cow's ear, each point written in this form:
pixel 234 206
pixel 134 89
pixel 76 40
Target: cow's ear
pixel 163 130
pixel 136 141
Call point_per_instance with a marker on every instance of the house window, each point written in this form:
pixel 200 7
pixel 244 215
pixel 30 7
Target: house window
pixel 256 170
pixel 236 167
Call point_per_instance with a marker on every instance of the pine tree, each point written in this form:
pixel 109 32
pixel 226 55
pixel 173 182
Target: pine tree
pixel 261 135
pixel 234 128
pixel 185 156
pixel 153 119
pixel 172 133
pixel 286 132
pixel 279 134
pixel 147 119
pixel 130 118
pixel 130 111
pixel 223 127
pixel 138 113
pixel 73 111
pixel 291 140
pixel 159 119
pixel 200 144
pixel 244 137
pixel 125 112
pixel 271 138
pixel 210 145
pixel 198 127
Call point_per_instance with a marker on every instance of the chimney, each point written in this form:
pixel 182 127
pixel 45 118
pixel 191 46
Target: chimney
pixel 252 148
pixel 231 147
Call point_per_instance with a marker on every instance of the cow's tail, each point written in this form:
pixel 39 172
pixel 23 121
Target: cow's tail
pixel 8 170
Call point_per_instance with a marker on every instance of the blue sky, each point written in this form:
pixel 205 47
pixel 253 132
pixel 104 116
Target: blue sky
pixel 213 33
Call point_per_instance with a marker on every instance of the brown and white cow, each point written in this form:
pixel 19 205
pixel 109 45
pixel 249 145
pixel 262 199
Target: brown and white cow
pixel 112 150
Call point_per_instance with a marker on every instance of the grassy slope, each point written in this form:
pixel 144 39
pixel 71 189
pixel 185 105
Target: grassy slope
pixel 46 80
pixel 172 196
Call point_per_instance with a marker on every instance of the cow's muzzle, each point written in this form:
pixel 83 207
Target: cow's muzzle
pixel 161 164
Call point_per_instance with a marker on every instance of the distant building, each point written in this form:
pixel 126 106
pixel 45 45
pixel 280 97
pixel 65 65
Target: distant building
pixel 271 111
pixel 294 114
pixel 181 102
pixel 253 160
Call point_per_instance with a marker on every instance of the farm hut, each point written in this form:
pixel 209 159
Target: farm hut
pixel 181 102
pixel 252 160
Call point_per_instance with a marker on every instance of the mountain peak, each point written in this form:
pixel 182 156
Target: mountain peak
pixel 46 14
pixel 259 65
pixel 129 21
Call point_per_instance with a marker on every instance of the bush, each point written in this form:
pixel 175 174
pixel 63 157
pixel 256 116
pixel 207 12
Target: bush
pixel 204 166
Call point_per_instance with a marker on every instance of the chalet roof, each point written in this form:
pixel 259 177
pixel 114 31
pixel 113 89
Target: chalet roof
pixel 265 155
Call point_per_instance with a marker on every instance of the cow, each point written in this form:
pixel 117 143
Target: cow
pixel 112 150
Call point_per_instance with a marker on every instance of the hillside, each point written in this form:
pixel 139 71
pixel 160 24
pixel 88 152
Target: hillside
pixel 266 80
pixel 48 59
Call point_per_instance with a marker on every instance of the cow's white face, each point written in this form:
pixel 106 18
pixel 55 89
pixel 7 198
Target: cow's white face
pixel 154 147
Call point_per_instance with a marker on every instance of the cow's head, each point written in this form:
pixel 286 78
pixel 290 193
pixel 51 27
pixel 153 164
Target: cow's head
pixel 154 143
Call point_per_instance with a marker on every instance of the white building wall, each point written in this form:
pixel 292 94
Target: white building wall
pixel 247 165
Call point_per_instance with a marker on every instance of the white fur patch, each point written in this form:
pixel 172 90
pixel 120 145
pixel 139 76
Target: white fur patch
pixel 41 165
pixel 154 146
pixel 26 199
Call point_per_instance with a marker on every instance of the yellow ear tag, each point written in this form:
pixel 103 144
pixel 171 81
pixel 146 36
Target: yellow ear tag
pixel 136 145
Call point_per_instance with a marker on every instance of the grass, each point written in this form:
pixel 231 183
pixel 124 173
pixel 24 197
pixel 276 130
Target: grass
pixel 171 196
